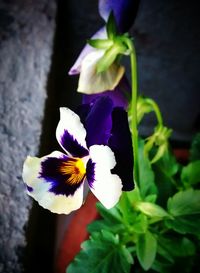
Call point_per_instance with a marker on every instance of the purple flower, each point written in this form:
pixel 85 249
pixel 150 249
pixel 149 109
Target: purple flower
pixel 91 82
pixel 98 149
pixel 124 12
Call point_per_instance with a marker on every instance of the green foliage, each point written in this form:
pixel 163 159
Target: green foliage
pixel 184 203
pixel 191 174
pixel 195 148
pixel 146 249
pixel 103 253
pixel 165 170
pixel 157 224
pixel 146 181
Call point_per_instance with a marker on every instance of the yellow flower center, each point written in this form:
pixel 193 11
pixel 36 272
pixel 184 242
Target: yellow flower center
pixel 74 169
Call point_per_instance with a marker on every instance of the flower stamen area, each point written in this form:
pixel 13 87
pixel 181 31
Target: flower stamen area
pixel 74 169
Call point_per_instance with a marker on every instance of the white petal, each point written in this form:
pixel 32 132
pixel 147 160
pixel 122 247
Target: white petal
pixel 76 68
pixel 40 188
pixel 107 187
pixel 91 82
pixel 70 123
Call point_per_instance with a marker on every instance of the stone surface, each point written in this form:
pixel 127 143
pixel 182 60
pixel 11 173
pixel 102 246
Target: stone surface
pixel 26 38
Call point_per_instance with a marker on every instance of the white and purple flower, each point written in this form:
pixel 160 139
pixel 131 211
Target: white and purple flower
pixel 98 149
pixel 91 82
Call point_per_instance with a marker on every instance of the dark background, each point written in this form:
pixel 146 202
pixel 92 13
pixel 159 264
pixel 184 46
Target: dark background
pixel 39 41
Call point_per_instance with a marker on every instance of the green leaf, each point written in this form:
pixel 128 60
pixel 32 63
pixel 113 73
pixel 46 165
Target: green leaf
pixel 151 198
pixel 111 26
pixel 98 225
pixel 134 195
pixel 191 173
pixel 195 148
pixel 170 247
pixel 126 208
pixel 185 224
pixel 146 250
pixel 146 182
pixel 151 209
pixel 112 215
pixel 162 266
pixel 183 265
pixel 164 171
pixel 168 163
pixel 100 43
pixel 103 253
pixel 140 224
pixel 184 203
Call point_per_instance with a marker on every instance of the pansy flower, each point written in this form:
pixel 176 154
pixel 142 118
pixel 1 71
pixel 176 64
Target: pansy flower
pixel 98 152
pixel 124 10
pixel 90 81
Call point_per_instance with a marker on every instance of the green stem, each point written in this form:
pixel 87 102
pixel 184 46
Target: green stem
pixel 134 109
pixel 156 110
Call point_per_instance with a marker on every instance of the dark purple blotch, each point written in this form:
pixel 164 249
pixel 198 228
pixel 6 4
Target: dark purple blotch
pixel 90 172
pixel 30 189
pixel 51 173
pixel 72 146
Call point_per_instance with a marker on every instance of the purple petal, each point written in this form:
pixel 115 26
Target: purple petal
pixel 119 95
pixel 63 174
pixel 121 144
pixel 98 122
pixel 124 10
pixel 76 68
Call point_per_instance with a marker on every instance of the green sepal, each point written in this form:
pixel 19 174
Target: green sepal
pixel 160 152
pixel 143 107
pixel 111 26
pixel 100 43
pixel 109 57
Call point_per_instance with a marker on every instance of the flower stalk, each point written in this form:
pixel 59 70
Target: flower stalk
pixel 156 110
pixel 134 128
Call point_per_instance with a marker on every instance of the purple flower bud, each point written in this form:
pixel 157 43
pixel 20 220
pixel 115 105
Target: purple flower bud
pixel 124 10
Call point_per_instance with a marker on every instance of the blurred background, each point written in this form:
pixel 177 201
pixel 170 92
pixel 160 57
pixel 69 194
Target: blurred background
pixel 39 41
